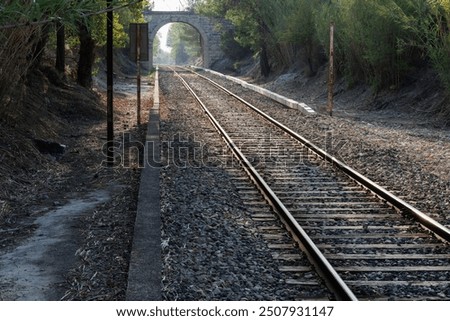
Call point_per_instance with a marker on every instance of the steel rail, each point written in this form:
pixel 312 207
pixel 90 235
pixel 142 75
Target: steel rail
pixel 437 228
pixel 331 277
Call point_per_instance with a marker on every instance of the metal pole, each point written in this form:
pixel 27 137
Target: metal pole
pixel 138 61
pixel 109 84
pixel 331 72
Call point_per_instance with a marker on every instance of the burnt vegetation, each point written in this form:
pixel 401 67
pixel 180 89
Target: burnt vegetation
pixel 48 108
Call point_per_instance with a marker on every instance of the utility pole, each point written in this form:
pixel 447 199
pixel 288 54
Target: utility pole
pixel 109 84
pixel 331 74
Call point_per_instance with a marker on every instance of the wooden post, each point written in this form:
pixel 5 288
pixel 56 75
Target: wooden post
pixel 331 74
pixel 109 85
pixel 139 52
pixel 138 63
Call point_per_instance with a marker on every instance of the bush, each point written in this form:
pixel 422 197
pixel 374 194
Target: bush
pixel 375 39
pixel 298 33
pixel 378 42
pixel 435 29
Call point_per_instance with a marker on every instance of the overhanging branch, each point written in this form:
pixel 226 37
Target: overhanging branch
pixel 55 19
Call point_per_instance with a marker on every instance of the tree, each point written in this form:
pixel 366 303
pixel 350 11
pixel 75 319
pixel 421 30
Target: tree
pixel 86 55
pixel 250 20
pixel 378 42
pixel 60 63
pixel 84 18
pixel 91 32
pixel 276 30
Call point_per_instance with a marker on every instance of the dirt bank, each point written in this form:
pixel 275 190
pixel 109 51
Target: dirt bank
pixel 65 219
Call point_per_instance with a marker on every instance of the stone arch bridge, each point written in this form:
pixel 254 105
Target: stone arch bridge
pixel 209 35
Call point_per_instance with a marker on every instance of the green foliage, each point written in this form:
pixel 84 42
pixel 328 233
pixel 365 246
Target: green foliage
pixel 14 13
pixel 380 41
pixel 25 27
pixel 242 40
pixel 279 26
pixel 435 31
pixel 241 13
pixel 253 21
pixel 296 32
pixel 122 19
pixel 377 41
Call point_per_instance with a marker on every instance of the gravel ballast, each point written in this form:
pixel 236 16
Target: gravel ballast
pixel 402 154
pixel 211 249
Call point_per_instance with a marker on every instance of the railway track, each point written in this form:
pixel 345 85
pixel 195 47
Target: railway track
pixel 364 242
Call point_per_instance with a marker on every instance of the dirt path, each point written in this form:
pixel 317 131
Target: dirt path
pixel 71 238
pixel 35 269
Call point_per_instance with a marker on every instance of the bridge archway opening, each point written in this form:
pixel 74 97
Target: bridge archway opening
pixel 210 37
pixel 178 43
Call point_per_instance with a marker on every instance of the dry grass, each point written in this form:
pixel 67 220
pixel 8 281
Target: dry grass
pixel 16 46
pixel 27 177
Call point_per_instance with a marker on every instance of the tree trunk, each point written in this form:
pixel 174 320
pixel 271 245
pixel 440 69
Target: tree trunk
pixel 264 61
pixel 87 57
pixel 60 48
pixel 39 47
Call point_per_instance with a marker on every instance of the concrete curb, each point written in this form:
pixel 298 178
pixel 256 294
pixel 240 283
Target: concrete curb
pixel 274 96
pixel 144 275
